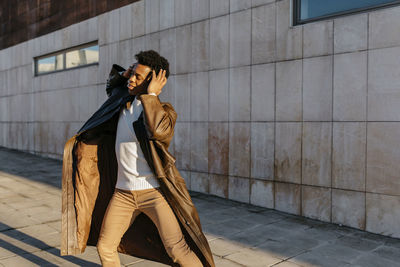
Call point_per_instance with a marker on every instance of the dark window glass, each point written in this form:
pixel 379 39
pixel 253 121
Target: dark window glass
pixel 313 9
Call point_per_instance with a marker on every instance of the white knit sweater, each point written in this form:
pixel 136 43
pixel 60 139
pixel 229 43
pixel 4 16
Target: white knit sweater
pixel 133 171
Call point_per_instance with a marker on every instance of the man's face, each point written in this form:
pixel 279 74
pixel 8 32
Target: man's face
pixel 137 83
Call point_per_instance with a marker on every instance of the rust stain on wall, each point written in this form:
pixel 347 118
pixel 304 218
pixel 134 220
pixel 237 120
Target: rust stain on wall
pixel 287 169
pixel 218 148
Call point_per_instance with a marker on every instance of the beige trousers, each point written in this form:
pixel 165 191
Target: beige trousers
pixel 122 210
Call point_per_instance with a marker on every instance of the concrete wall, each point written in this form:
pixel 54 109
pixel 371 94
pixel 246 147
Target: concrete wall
pixel 303 119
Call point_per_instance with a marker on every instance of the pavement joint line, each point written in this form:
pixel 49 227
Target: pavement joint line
pixel 235 262
pixel 133 263
pixel 302 252
pixel 277 263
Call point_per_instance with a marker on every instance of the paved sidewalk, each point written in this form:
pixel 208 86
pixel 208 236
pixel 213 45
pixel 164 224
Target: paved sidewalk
pixel 239 234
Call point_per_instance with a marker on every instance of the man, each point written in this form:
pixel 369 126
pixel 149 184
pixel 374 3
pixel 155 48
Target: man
pixel 121 189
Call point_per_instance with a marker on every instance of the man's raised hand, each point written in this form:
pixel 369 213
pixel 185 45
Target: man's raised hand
pixel 157 82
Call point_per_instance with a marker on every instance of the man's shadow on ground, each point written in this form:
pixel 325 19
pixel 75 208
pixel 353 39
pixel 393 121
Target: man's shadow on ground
pixel 40 245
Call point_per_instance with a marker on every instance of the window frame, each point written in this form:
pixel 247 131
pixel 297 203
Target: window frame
pixel 298 21
pixel 64 52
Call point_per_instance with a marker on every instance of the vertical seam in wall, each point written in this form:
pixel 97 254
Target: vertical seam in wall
pixel 190 122
pixel 159 23
pixel 32 115
pixel 169 29
pixel 366 130
pixel 274 162
pixel 250 96
pixel 208 96
pixel 158 32
pixel 175 26
pixel 302 124
pixel 145 23
pixel 332 101
pixel 274 142
pixel 229 100
pixel 189 79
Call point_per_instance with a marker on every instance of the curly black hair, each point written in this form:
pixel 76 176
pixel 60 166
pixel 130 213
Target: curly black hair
pixel 153 60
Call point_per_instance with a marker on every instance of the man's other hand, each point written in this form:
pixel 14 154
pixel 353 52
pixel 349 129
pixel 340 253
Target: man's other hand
pixel 157 82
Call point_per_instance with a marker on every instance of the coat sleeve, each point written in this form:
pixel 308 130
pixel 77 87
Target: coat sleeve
pixel 159 119
pixel 115 79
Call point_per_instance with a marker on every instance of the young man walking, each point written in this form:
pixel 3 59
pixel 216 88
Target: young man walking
pixel 144 181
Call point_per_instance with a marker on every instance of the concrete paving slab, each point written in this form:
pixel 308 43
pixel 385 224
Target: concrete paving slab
pixel 210 237
pixel 286 264
pixel 221 229
pixel 220 262
pixel 280 249
pixel 327 255
pixel 239 234
pixel 55 225
pixel 301 241
pixel 6 208
pixel 240 224
pixel 14 245
pixel 15 220
pixel 253 258
pixel 262 233
pixel 320 234
pixel 369 260
pixel 263 217
pixel 128 260
pixel 46 217
pixel 5 253
pixel 222 247
pixel 357 243
pixel 390 253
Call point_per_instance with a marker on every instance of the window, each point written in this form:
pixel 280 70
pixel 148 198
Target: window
pixel 76 57
pixel 312 10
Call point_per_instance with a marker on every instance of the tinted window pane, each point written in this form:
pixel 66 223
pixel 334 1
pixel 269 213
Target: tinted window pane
pixel 82 56
pixel 50 64
pixel 46 64
pixel 316 8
